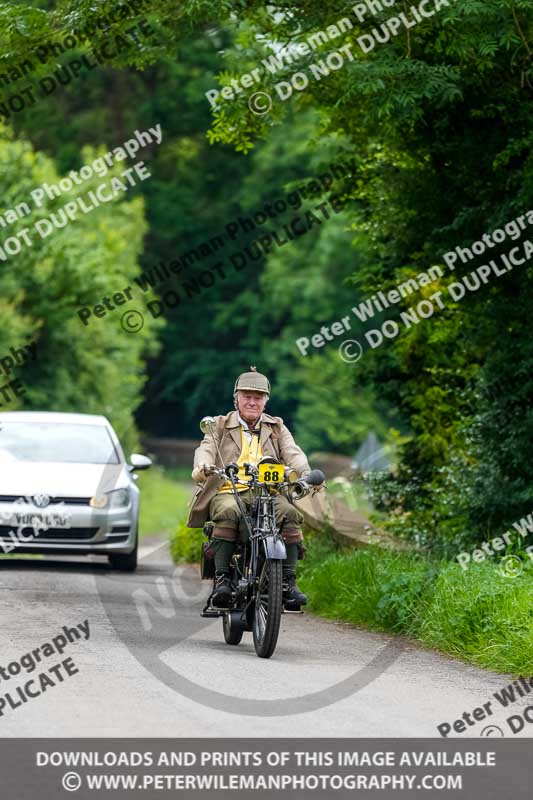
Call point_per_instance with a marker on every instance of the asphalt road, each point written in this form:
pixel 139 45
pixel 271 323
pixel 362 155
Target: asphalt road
pixel 153 667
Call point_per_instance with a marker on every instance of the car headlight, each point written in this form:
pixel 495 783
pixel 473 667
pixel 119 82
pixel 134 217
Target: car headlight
pixel 119 498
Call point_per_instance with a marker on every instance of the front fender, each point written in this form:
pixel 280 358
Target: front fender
pixel 274 548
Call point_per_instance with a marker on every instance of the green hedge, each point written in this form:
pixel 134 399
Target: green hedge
pixel 186 544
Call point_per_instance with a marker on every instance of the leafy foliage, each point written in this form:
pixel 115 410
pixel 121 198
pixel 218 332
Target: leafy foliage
pixel 434 128
pixel 96 368
pixel 440 122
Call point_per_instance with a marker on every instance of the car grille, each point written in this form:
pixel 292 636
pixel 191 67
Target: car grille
pixel 70 501
pixel 65 534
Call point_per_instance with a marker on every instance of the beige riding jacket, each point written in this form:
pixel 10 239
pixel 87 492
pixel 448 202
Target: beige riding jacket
pixel 276 441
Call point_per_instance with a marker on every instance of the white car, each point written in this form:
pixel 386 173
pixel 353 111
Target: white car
pixel 66 488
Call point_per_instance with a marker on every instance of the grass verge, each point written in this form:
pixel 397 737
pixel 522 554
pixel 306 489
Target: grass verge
pixel 479 615
pixel 163 501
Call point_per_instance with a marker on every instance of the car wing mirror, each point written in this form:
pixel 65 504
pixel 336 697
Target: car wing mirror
pixel 137 461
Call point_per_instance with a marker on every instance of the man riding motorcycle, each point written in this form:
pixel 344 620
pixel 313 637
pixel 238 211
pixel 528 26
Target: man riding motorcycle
pixel 245 436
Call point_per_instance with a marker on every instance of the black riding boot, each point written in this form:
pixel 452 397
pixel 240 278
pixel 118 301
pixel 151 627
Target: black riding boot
pixel 222 593
pixel 292 593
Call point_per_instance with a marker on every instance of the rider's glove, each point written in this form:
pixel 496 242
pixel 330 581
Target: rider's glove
pixel 198 474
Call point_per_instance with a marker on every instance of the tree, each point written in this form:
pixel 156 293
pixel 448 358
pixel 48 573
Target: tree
pixel 92 368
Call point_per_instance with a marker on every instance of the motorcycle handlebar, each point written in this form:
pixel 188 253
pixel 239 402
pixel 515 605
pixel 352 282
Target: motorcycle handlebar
pixel 315 477
pixel 298 489
pixel 210 469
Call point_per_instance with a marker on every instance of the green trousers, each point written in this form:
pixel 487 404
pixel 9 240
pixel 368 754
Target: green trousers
pixel 224 551
pixel 226 516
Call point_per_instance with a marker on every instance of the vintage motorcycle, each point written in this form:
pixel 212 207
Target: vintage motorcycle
pixel 256 565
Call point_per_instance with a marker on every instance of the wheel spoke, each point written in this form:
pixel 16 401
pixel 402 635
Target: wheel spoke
pixel 260 617
pixel 267 609
pixel 261 603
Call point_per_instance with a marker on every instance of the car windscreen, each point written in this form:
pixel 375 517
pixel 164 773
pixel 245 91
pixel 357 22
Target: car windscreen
pixel 56 442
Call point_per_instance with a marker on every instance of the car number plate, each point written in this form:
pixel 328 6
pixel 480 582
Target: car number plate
pixel 42 520
pixel 271 473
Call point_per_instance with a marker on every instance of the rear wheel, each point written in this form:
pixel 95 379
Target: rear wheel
pixel 268 602
pixel 232 635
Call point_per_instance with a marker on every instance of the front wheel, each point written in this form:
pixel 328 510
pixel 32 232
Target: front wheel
pixel 268 602
pixel 126 562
